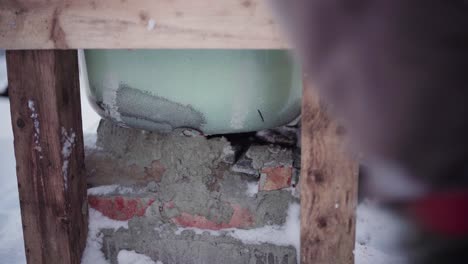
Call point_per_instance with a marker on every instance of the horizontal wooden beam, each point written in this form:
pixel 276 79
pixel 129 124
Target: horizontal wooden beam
pixel 138 24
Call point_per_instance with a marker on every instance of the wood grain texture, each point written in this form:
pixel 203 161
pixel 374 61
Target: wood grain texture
pixel 329 180
pixel 54 24
pixel 46 119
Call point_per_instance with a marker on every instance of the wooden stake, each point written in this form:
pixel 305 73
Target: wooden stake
pixel 46 118
pixel 329 181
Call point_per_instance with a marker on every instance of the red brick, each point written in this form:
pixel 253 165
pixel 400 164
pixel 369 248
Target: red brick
pixel 275 178
pixel 120 207
pixel 241 218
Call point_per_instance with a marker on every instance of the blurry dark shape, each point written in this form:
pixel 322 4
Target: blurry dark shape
pixel 284 136
pixel 244 165
pixel 395 72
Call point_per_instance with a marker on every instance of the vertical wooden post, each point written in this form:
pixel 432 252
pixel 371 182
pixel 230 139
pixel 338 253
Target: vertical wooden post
pixel 46 118
pixel 328 188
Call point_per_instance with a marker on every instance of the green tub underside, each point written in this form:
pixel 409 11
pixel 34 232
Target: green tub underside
pixel 214 91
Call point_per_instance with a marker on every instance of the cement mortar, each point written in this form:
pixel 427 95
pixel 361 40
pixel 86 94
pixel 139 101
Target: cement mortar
pixel 187 174
pixel 160 242
pixel 196 179
pixel 269 156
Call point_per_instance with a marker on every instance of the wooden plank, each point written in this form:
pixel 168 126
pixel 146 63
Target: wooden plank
pixel 57 24
pixel 329 181
pixel 46 119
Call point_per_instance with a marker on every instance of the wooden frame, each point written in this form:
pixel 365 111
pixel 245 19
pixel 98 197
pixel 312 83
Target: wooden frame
pixel 46 114
pixel 138 24
pixel 46 119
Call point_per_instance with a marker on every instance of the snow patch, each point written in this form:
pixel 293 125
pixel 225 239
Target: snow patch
pixel 151 24
pixel 131 257
pixel 289 233
pixel 111 189
pixel 37 129
pixel 11 232
pixel 90 140
pixel 68 142
pixel 97 221
pixel 378 233
pixel 252 188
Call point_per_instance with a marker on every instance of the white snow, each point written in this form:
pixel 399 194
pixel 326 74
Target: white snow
pixel 285 235
pixel 252 188
pixel 37 129
pixel 108 189
pixel 11 232
pixel 377 234
pixel 151 24
pixel 92 253
pixel 131 257
pixel 68 141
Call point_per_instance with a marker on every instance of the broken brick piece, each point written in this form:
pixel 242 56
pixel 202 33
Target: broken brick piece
pixel 120 207
pixel 275 178
pixel 241 218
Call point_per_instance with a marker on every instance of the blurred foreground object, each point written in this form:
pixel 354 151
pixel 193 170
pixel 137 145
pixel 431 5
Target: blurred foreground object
pixel 395 72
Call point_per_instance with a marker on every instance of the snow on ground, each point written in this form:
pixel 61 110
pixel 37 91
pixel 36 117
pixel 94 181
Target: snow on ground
pixel 131 257
pixel 11 233
pixel 377 231
pixel 289 232
pixel 252 189
pixel 113 189
pixel 377 236
pixel 92 253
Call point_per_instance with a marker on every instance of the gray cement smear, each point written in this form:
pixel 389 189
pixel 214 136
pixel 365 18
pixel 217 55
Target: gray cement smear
pixel 162 243
pixel 198 180
pixel 136 108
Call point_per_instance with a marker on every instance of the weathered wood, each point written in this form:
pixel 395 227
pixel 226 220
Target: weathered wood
pixel 57 24
pixel 328 187
pixel 46 119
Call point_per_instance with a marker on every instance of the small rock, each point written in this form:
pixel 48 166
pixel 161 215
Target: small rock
pixel 245 165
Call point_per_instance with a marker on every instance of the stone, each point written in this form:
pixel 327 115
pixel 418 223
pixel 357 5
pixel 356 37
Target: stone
pixel 245 165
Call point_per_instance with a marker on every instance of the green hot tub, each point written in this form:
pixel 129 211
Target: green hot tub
pixel 212 91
